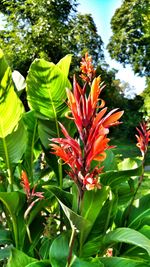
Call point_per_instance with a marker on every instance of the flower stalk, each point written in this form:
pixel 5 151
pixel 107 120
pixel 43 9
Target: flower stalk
pixel 71 244
pixel 142 143
pixel 89 115
pixel 88 112
pixel 143 139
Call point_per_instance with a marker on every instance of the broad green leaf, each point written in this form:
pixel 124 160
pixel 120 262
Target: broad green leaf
pixel 63 196
pixel 5 237
pixel 129 163
pixel 13 145
pixel 45 247
pixel 106 216
pixel 140 214
pixel 64 64
pixel 12 131
pixel 76 221
pixel 38 208
pixel 29 156
pixel 110 162
pixel 40 263
pixel 91 247
pixel 59 251
pixel 13 202
pixel 77 262
pixel 124 193
pixel 5 252
pixel 114 178
pixel 145 230
pixel 131 251
pixel 36 230
pixel 11 107
pixel 92 204
pixel 144 188
pixel 46 89
pixel 46 94
pixel 74 191
pixel 123 262
pixel 19 259
pixel 49 128
pixel 58 257
pixel 127 235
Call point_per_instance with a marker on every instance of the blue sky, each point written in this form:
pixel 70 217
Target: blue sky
pixel 102 12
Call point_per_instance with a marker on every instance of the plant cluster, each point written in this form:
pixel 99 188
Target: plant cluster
pixel 65 199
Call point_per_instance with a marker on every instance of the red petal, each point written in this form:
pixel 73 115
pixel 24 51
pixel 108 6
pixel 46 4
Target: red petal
pixel 111 119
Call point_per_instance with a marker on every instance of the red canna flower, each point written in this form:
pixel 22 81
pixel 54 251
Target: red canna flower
pixel 26 186
pixel 32 196
pixel 93 125
pixel 143 138
pixel 88 71
pixel 25 183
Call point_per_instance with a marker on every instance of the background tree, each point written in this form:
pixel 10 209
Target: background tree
pixel 114 96
pixel 83 37
pixel 46 29
pixel 129 43
pixel 50 29
pixel 146 98
pixel 34 29
pixel 112 93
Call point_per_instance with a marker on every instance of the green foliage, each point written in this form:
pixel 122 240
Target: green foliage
pixel 51 81
pixel 58 257
pixel 11 107
pixel 129 236
pixel 65 228
pixel 37 31
pixel 46 29
pixel 84 37
pixel 113 94
pixel 119 261
pixel 12 131
pixel 129 43
pixel 131 118
pixel 145 109
pixel 13 203
pixel 18 258
pixel 30 122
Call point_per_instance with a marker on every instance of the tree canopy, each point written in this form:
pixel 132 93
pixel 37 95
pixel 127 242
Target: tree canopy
pixel 46 29
pixel 129 43
pixel 146 98
pixel 50 29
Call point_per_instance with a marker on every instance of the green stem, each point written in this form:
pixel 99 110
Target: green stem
pixel 134 196
pixel 28 233
pixel 71 243
pixel 13 222
pixel 109 212
pixel 60 174
pixel 127 214
pixel 15 232
pixel 81 205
